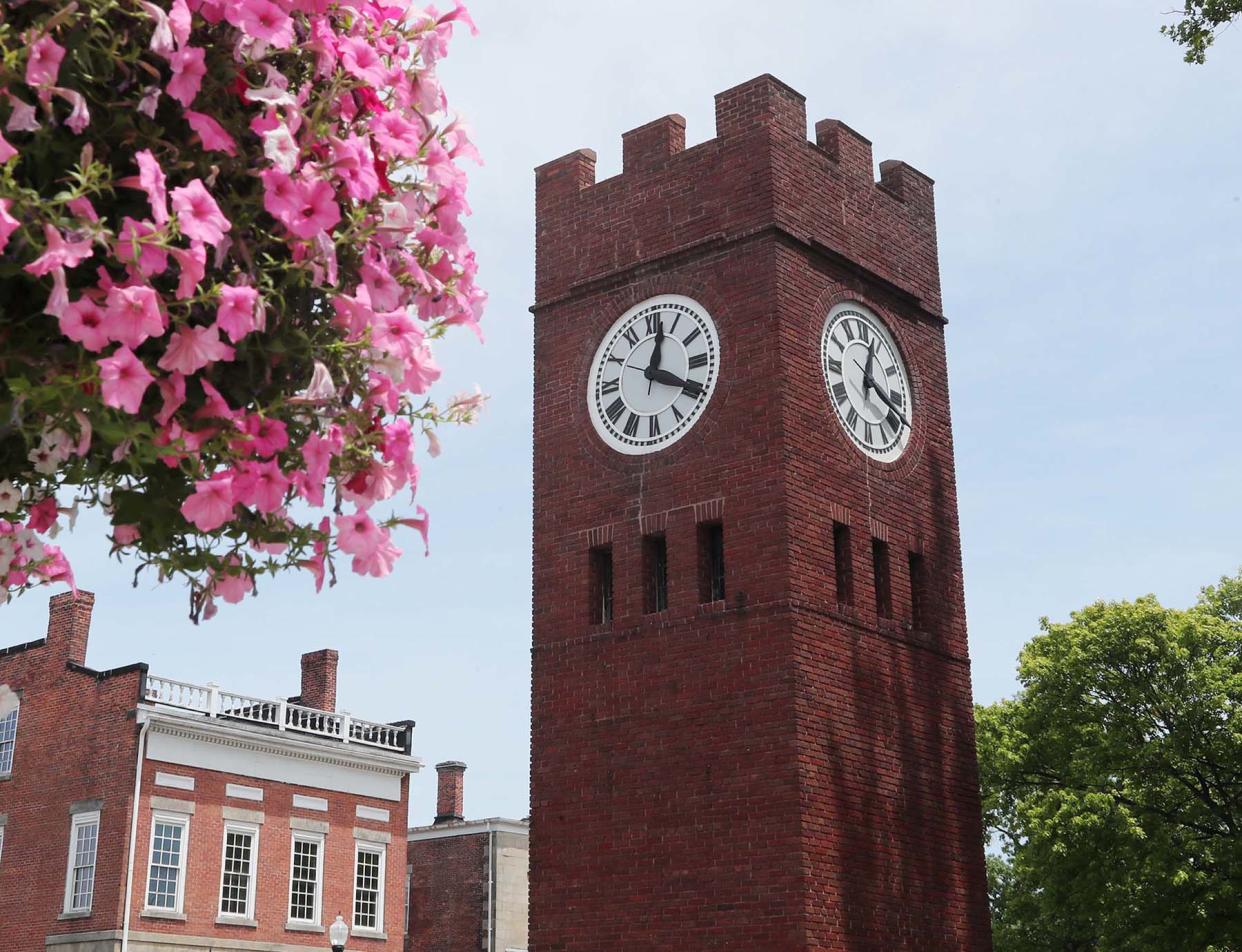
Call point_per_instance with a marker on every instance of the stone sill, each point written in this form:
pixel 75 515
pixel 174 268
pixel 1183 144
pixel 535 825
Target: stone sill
pixel 237 921
pixel 79 914
pixel 368 934
pixel 292 926
pixel 162 914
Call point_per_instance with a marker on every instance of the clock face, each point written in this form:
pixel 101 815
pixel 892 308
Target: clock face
pixel 653 374
pixel 868 385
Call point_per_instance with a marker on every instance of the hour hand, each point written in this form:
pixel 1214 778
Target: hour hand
pixel 663 376
pixel 889 401
pixel 654 363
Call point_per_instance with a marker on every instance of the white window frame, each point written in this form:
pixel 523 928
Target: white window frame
pixel 76 824
pixel 252 830
pixel 1 842
pixel 173 819
pixel 366 846
pixel 301 836
pixel 7 771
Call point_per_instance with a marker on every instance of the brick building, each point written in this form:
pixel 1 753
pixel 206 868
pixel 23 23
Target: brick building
pixel 257 821
pixel 751 710
pixel 467 878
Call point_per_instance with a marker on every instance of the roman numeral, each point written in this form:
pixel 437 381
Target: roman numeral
pixel 851 418
pixel 836 343
pixel 697 361
pixel 896 397
pixel 834 366
pixel 849 334
pixel 676 413
pixel 691 337
pixel 631 425
pixel 864 333
pixel 611 386
pixel 838 391
pixel 894 421
pixel 631 335
pixel 892 371
pixel 617 360
pixel 693 389
pixel 676 318
pixel 653 322
pixel 615 409
pixel 885 436
pixel 867 431
pixel 653 426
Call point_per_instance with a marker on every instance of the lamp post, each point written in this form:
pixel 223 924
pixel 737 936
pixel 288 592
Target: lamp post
pixel 338 934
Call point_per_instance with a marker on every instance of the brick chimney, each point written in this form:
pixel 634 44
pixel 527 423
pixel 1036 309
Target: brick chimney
pixel 319 679
pixel 450 796
pixel 69 624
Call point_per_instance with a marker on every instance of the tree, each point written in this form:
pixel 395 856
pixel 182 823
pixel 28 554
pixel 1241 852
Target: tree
pixel 1201 21
pixel 230 232
pixel 1112 782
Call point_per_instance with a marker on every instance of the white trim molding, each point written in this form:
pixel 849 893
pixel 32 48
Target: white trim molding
pixel 372 813
pixel 469 828
pixel 175 781
pixel 303 802
pixel 239 792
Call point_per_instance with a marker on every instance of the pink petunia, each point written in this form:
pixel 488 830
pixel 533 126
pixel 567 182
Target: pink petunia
pixel 8 224
pixel 80 116
pixel 44 63
pixel 379 562
pixel 83 321
pixel 280 194
pixel 198 215
pixel 397 135
pixel 262 19
pixel 59 254
pixel 422 526
pixel 317 210
pixel 151 180
pixel 126 534
pixel 236 314
pixel 353 162
pixel 82 207
pixel 193 264
pixel 188 68
pixel 191 349
pixel 360 59
pixel 267 436
pixel 179 22
pixel 260 484
pixel 133 315
pixel 358 534
pixel 23 118
pixel 211 504
pixel 172 390
pixel 211 132
pixel 6 150
pixel 232 587
pixel 131 248
pixel 125 380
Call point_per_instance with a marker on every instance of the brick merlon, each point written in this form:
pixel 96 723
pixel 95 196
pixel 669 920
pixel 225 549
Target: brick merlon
pixel 650 144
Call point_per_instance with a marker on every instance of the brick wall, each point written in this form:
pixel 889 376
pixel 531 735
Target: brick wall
pixel 448 894
pixel 204 857
pixel 771 771
pixel 76 741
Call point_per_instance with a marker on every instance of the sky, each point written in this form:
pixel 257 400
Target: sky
pixel 1089 199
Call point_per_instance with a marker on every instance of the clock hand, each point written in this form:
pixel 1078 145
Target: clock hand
pixel 654 363
pixel 870 382
pixel 663 376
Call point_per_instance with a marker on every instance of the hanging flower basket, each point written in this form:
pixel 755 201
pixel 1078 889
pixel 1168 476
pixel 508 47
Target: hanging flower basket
pixel 230 231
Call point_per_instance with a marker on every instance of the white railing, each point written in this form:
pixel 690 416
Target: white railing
pixel 209 700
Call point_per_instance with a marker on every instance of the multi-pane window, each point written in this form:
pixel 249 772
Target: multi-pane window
pixel 305 878
pixel 83 845
pixel 8 739
pixel 166 874
pixel 369 887
pixel 237 871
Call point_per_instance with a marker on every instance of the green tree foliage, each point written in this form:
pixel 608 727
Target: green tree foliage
pixel 1201 21
pixel 1112 783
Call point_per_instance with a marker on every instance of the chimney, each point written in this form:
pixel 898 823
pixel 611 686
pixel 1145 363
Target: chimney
pixel 450 795
pixel 69 624
pixel 319 679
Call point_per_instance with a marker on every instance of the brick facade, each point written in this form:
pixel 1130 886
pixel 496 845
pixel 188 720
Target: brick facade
pixel 78 740
pixel 775 770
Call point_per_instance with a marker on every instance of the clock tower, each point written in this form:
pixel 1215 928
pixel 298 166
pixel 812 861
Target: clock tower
pixel 751 713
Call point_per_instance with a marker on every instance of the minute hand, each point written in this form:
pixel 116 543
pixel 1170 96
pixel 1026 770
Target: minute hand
pixel 870 382
pixel 663 376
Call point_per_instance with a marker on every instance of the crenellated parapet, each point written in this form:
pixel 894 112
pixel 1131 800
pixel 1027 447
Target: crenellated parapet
pixel 760 172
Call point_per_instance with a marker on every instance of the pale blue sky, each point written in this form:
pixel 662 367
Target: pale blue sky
pixel 1089 193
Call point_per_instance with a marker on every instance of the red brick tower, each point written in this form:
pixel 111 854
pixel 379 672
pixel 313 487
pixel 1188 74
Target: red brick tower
pixel 752 722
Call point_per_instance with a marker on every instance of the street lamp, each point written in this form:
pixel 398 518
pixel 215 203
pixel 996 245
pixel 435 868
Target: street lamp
pixel 338 934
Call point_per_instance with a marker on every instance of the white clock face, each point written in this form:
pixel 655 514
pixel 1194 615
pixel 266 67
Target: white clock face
pixel 653 374
pixel 868 385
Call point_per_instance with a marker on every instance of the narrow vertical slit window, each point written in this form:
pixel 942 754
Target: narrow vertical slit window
pixel 8 740
pixel 883 580
pixel 600 608
pixel 655 574
pixel 711 562
pixel 842 562
pixel 918 592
